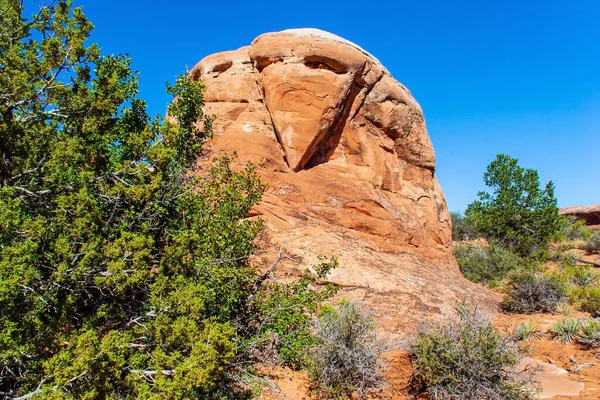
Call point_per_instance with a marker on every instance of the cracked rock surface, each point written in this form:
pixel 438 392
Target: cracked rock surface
pixel 344 149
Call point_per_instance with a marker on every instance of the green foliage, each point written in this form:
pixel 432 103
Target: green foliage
pixel 517 213
pixel 592 245
pixel 122 272
pixel 581 283
pixel 487 264
pixel 462 229
pixel 566 329
pixel 284 314
pixel 526 331
pixel 583 331
pixel 534 292
pixel 572 228
pixel 346 357
pixel 469 359
pixel 589 333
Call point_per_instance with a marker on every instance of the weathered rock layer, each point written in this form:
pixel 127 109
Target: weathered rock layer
pixel 350 167
pixel 590 214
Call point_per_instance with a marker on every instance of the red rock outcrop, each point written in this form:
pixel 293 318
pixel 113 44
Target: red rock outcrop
pixel 349 165
pixel 590 214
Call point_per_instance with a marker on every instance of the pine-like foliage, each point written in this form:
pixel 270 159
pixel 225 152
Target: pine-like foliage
pixel 517 213
pixel 123 274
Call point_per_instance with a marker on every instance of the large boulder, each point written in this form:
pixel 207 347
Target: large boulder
pixel 590 214
pixel 349 165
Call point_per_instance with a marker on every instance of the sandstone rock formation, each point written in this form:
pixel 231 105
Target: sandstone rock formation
pixel 590 214
pixel 351 170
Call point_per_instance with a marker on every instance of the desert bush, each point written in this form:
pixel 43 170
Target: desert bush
pixel 566 329
pixel 462 229
pixel 592 245
pixel 581 283
pixel 486 263
pixel 533 292
pixel 346 358
pixel 526 331
pixel 573 228
pixel 517 212
pixel 589 333
pixel 469 359
pixel 587 299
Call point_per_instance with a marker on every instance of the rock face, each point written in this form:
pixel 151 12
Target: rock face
pixel 351 170
pixel 590 214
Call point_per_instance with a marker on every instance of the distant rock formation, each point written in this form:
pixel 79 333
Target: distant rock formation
pixel 590 214
pixel 350 167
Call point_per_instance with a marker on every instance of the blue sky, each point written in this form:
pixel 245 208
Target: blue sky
pixel 515 77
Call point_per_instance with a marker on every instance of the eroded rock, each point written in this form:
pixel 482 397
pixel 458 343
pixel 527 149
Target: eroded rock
pixel 344 149
pixel 590 214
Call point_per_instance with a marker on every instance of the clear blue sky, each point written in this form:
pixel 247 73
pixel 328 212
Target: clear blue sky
pixel 515 77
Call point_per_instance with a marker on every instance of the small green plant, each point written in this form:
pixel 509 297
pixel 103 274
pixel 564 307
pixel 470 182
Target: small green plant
pixel 588 299
pixel 589 334
pixel 565 309
pixel 534 292
pixel 566 329
pixel 486 264
pixel 573 228
pixel 527 331
pixel 593 243
pixel 346 358
pixel 469 359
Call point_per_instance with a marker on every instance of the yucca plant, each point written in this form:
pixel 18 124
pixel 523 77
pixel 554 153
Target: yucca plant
pixel 589 334
pixel 566 330
pixel 527 331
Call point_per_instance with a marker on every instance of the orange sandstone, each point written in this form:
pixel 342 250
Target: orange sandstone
pixel 350 169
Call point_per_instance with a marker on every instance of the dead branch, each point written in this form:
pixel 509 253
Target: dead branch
pixel 265 276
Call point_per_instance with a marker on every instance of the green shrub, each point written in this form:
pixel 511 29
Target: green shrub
pixel 534 292
pixel 526 331
pixel 469 359
pixel 486 263
pixel 347 356
pixel 587 299
pixel 592 245
pixel 566 329
pixel 589 333
pixel 581 283
pixel 284 313
pixel 573 228
pixel 462 229
pixel 517 213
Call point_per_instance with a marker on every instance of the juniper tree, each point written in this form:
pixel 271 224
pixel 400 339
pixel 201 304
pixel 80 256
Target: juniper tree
pixel 123 272
pixel 518 213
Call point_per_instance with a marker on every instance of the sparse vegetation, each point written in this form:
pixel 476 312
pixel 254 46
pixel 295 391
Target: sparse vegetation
pixel 592 245
pixel 573 228
pixel 526 331
pixel 581 283
pixel 583 331
pixel 469 359
pixel 518 214
pixel 346 358
pixel 534 292
pixel 486 263
pixel 566 329
pixel 589 334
